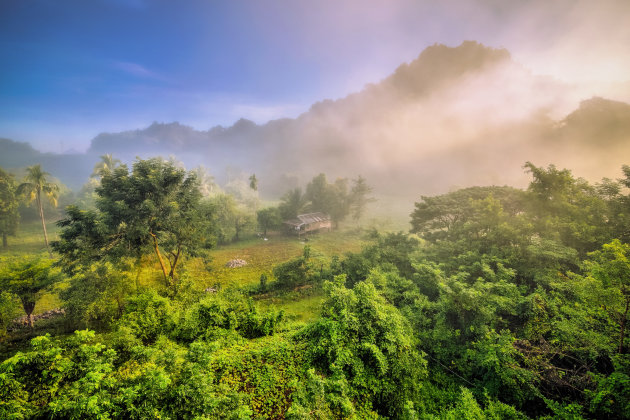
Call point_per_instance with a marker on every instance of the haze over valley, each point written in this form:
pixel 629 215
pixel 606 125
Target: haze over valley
pixel 453 117
pixel 330 209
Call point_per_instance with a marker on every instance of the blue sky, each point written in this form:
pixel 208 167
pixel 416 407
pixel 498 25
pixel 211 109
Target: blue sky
pixel 74 68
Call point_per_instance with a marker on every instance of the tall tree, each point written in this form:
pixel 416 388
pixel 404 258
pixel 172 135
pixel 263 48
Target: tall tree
pixel 207 185
pixel 152 209
pixel 610 270
pixel 253 182
pixel 359 197
pixel 9 216
pixel 293 203
pixel 268 218
pixel 35 184
pixel 27 277
pixel 567 208
pixel 107 164
pixel 332 199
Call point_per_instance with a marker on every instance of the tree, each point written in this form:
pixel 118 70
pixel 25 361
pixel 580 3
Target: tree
pixel 293 203
pixel 332 199
pixel 207 186
pixel 319 194
pixel 107 164
pixel 268 218
pixel 442 217
pixel 339 206
pixel 359 197
pixel 9 216
pixel 155 208
pixel 244 221
pixel 35 184
pixel 567 208
pixel 253 182
pixel 610 268
pixel 27 277
pixel 221 210
pixel 363 341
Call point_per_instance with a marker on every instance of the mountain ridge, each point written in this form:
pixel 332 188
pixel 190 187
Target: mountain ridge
pixel 426 120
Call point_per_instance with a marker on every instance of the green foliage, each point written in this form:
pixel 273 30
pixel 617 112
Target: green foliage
pixel 148 316
pixel 107 164
pixel 269 218
pixel 9 215
pixel 611 398
pixel 443 217
pixel 366 346
pixel 294 202
pixel 359 197
pixel 296 272
pixel 267 371
pixel 490 315
pixel 27 278
pixel 253 182
pixel 208 318
pixel 152 209
pixel 388 249
pixel 8 311
pixel 332 199
pixel 83 378
pixel 228 221
pixel 263 282
pixel 567 209
pixel 467 407
pixel 96 296
pixel 610 271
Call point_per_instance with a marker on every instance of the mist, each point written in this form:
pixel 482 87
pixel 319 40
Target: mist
pixel 418 97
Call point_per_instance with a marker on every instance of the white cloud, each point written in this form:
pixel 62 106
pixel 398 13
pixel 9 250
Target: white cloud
pixel 137 70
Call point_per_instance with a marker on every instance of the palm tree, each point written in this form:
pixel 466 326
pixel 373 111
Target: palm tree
pixel 35 183
pixel 107 164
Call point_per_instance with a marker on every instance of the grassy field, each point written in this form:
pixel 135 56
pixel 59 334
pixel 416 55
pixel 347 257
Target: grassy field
pixel 30 241
pixel 261 257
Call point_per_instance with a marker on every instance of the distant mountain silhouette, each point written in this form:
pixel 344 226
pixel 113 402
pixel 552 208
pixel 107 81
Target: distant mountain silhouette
pixel 598 119
pixel 71 169
pixel 454 116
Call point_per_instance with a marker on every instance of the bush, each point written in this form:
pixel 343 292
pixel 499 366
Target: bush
pixel 214 314
pixel 295 272
pixel 149 315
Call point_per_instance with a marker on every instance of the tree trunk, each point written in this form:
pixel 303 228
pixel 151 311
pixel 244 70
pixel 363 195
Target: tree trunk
pixel 5 242
pixel 41 215
pixel 171 273
pixel 28 309
pixel 160 259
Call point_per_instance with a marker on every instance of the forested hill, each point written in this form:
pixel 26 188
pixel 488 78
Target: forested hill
pixel 468 115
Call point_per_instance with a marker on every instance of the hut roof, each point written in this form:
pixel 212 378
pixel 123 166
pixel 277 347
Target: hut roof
pixel 308 218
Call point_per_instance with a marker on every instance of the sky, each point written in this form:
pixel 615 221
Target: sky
pixel 71 69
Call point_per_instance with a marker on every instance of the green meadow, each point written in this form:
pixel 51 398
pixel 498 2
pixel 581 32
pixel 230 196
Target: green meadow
pixel 211 271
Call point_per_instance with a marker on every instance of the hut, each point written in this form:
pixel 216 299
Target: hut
pixel 310 222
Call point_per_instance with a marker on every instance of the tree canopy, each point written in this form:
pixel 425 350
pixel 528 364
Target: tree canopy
pixel 9 215
pixel 153 208
pixel 27 277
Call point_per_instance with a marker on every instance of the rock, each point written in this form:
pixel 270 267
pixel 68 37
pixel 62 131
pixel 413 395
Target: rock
pixel 235 263
pixel 23 320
